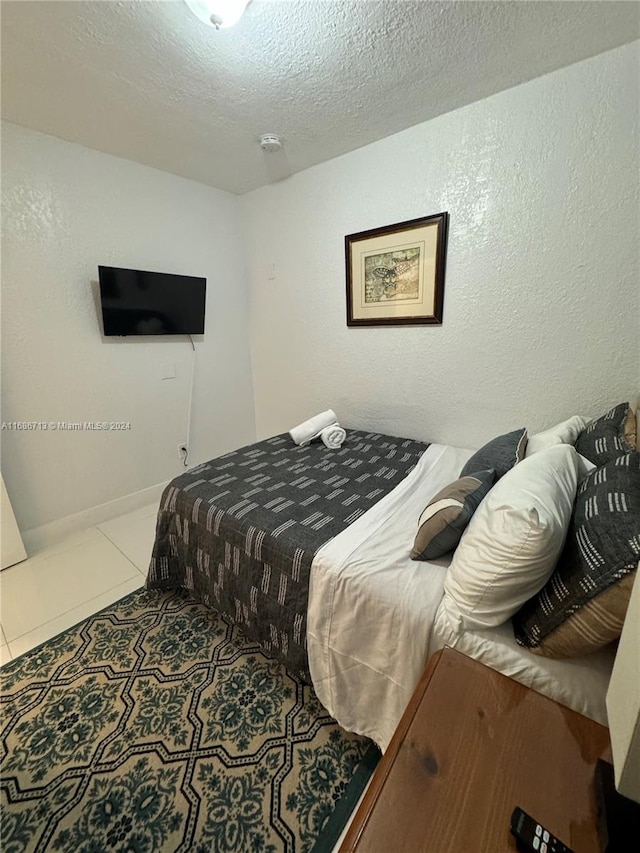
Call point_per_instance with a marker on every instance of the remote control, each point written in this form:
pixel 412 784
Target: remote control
pixel 532 837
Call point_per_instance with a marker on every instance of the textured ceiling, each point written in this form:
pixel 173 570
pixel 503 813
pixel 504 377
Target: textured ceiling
pixel 149 82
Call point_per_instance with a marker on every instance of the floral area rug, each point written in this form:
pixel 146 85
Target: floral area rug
pixel 156 726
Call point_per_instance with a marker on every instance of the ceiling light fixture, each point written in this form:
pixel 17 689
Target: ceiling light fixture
pixel 218 13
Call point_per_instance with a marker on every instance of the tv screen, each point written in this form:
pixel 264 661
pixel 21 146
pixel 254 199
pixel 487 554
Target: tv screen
pixel 137 302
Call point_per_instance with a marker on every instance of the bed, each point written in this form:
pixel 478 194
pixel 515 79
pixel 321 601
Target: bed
pixel 239 533
pixel 375 616
pixel 308 549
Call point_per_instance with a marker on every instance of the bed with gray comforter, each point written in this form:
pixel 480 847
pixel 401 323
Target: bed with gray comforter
pixel 239 533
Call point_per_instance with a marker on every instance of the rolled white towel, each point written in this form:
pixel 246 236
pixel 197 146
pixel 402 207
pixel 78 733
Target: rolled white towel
pixel 333 436
pixel 305 432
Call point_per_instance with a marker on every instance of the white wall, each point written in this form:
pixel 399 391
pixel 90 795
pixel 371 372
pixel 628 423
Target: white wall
pixel 541 316
pixel 67 209
pixel 541 311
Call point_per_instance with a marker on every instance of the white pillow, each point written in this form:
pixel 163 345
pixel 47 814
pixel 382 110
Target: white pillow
pixel 513 541
pixel 585 467
pixel 566 432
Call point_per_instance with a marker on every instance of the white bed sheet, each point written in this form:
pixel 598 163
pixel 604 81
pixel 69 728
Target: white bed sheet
pixel 581 683
pixel 371 607
pixel 375 616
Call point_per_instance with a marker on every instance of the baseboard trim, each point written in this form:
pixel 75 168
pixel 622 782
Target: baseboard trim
pixel 50 534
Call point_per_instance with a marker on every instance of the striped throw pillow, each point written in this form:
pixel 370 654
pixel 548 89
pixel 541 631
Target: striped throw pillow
pixel 445 517
pixel 601 550
pixel 608 437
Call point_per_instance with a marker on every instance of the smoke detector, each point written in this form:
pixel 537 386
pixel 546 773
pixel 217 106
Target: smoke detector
pixel 270 142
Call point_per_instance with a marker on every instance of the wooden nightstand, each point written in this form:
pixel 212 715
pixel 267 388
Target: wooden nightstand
pixel 471 746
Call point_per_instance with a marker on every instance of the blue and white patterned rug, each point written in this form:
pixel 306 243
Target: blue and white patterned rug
pixel 156 726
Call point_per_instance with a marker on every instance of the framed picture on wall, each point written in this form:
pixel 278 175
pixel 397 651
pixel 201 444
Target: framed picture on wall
pixel 395 274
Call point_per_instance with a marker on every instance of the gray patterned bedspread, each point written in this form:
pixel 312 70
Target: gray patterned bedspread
pixel 240 532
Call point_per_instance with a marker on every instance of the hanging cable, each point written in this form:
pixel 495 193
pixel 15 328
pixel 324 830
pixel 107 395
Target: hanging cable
pixel 193 371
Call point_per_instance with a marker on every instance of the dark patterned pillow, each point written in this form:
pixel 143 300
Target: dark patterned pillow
pixel 602 547
pixel 500 453
pixel 608 437
pixel 445 517
pixel 596 624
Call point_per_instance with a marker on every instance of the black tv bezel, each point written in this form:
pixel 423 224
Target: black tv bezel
pixel 194 278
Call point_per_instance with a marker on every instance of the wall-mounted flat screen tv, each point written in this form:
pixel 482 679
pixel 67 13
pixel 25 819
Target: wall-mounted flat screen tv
pixel 138 302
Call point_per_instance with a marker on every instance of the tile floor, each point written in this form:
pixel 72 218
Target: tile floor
pixel 61 585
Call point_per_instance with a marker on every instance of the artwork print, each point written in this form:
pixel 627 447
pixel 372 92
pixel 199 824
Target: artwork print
pixel 395 274
pixel 392 276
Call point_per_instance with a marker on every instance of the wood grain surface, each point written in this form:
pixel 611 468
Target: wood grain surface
pixel 471 746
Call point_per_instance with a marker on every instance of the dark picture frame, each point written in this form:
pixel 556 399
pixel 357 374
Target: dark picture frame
pixel 395 274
